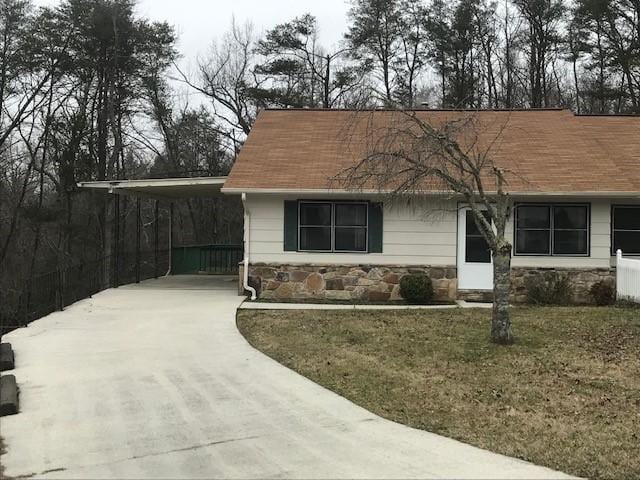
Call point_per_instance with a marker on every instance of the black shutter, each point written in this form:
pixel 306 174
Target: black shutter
pixel 290 226
pixel 375 227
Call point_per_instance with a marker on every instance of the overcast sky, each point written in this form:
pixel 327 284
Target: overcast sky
pixel 198 22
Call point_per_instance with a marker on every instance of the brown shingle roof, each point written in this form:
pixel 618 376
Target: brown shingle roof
pixel 549 151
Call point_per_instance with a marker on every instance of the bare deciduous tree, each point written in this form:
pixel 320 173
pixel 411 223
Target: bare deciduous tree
pixel 227 78
pixel 409 156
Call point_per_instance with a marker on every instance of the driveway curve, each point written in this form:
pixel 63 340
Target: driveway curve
pixel 155 381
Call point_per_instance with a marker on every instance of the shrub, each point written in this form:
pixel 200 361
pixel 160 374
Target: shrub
pixel 603 293
pixel 416 288
pixel 549 288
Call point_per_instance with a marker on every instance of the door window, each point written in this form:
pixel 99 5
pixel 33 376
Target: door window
pixel 476 247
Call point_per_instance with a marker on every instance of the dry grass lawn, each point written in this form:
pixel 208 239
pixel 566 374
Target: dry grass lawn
pixel 566 396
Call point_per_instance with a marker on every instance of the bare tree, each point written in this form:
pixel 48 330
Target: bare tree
pixel 409 156
pixel 227 78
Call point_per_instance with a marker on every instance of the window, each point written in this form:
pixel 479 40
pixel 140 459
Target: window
pixel 315 226
pixel 552 230
pixel 477 249
pixel 333 226
pixel 626 229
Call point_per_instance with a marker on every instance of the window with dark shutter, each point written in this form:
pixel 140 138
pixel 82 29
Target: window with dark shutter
pixel 342 227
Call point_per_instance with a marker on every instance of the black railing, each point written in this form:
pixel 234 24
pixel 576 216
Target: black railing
pixel 53 291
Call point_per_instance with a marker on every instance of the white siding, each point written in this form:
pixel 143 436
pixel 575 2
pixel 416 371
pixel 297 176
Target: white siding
pixel 424 237
pixel 409 237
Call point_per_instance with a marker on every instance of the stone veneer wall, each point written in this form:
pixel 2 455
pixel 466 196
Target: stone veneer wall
pixel 381 283
pixel 344 283
pixel 581 279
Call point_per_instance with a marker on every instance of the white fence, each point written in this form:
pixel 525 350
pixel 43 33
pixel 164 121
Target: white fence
pixel 628 278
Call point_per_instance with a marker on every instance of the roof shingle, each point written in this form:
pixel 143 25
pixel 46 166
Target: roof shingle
pixel 548 151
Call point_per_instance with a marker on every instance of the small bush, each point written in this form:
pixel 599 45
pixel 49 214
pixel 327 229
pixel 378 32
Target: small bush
pixel 549 288
pixel 603 293
pixel 416 288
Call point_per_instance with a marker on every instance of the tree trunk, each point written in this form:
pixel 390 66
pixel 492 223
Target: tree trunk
pixel 501 321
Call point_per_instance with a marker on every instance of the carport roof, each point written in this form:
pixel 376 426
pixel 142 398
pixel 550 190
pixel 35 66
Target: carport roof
pixel 162 188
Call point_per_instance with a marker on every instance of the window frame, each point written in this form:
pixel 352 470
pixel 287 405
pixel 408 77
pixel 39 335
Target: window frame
pixel 614 252
pixel 551 229
pixel 333 204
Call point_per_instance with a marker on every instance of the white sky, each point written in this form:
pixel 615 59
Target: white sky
pixel 198 22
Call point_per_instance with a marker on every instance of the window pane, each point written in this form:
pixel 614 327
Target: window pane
pixel 315 214
pixel 472 228
pixel 570 243
pixel 315 238
pixel 568 217
pixel 534 216
pixel 626 218
pixel 351 215
pixel 351 239
pixel 533 242
pixel 628 242
pixel 477 250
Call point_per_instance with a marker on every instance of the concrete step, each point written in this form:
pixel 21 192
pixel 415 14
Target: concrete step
pixel 7 358
pixel 9 393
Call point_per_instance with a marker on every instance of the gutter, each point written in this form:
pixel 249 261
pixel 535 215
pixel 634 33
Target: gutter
pixel 247 247
pixel 352 193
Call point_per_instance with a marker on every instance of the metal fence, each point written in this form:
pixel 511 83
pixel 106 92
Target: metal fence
pixel 53 291
pixel 627 278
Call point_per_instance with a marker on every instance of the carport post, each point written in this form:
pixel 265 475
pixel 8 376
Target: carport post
pixel 156 231
pixel 116 240
pixel 138 240
pixel 171 207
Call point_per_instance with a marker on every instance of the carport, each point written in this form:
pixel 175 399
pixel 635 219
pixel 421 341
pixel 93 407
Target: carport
pixel 189 259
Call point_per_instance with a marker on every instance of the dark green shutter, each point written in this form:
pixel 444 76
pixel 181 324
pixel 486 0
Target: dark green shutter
pixel 290 226
pixel 375 228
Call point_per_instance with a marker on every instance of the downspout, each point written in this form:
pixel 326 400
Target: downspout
pixel 247 246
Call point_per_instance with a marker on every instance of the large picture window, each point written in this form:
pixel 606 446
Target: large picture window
pixel 333 226
pixel 561 230
pixel 626 229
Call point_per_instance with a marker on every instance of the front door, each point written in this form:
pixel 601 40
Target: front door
pixel 475 268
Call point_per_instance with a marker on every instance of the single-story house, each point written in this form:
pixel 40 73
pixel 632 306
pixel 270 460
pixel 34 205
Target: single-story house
pixel 575 185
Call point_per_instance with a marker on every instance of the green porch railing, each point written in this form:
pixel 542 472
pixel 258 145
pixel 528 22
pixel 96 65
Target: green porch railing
pixel 209 259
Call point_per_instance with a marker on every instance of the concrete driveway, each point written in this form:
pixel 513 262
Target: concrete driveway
pixel 154 381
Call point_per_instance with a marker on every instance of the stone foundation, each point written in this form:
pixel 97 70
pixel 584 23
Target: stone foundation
pixel 365 283
pixel 356 283
pixel 581 279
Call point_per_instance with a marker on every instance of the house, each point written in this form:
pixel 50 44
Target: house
pixel 575 184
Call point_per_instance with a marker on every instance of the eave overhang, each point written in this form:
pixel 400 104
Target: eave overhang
pixel 163 188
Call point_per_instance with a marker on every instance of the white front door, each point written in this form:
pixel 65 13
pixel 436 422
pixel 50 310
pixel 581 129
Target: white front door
pixel 475 267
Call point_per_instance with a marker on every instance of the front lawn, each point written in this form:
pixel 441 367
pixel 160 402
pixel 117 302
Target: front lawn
pixel 566 395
